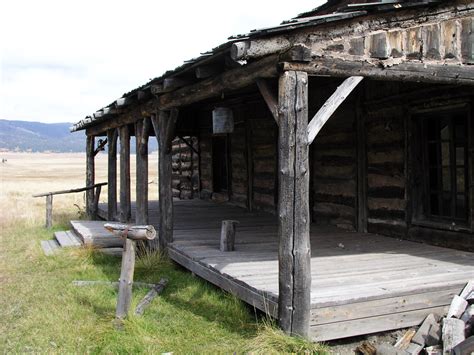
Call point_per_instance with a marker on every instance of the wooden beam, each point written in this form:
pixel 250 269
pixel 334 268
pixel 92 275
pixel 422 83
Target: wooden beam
pixel 125 203
pixel 112 136
pixel 361 169
pixel 141 135
pixel 408 71
pixel 206 71
pixel 331 105
pixel 269 96
pixel 163 124
pixel 230 80
pixel 90 174
pixel 293 206
pixel 100 147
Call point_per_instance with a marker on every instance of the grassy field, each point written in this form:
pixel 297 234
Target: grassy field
pixel 42 312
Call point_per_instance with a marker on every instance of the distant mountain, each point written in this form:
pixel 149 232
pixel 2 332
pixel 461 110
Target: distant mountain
pixel 40 137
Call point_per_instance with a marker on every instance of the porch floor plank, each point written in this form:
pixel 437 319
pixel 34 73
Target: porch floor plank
pixel 361 283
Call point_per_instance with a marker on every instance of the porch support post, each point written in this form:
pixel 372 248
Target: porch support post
pixel 112 136
pixel 125 204
pixel 294 301
pixel 90 176
pixel 164 126
pixel 141 134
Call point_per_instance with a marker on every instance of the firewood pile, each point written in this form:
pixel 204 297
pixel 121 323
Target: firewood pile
pixel 452 334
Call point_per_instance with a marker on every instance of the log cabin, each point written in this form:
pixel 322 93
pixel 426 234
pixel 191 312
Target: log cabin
pixel 341 141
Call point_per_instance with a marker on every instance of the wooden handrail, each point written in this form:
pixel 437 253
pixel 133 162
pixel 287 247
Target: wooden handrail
pixel 70 191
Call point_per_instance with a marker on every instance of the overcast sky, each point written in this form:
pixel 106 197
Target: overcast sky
pixel 62 60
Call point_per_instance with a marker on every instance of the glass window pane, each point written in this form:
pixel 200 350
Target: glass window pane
pixel 445 158
pixel 460 180
pixel 461 207
pixel 446 179
pixel 444 128
pixel 446 206
pixel 434 204
pixel 460 155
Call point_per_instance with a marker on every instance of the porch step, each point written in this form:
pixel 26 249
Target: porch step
pixel 49 246
pixel 93 233
pixel 67 239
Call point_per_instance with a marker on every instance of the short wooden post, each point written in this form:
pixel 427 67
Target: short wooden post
pixel 293 206
pixel 90 175
pixel 112 136
pixel 49 211
pixel 125 203
pixel 164 131
pixel 126 278
pixel 141 134
pixel 228 235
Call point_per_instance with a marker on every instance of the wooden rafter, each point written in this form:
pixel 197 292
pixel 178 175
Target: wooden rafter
pixel 269 96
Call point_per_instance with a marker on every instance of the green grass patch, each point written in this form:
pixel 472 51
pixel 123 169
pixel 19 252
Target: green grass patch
pixel 41 311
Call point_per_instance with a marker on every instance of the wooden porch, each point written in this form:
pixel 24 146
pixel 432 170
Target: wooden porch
pixel 361 283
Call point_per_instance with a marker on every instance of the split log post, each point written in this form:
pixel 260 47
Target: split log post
pixel 453 333
pixel 294 266
pixel 112 136
pixel 90 175
pixel 130 234
pixel 141 134
pixel 228 235
pixel 125 203
pixel 164 125
pixel 49 211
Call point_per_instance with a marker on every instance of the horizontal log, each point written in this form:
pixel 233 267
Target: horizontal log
pixel 109 283
pixel 147 232
pixel 407 71
pixel 155 291
pixel 70 191
pixel 233 79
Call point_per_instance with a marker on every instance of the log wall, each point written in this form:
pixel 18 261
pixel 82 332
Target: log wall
pixel 185 165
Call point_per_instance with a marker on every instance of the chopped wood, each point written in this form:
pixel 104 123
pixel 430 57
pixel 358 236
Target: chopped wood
pixel 434 350
pixel 465 347
pixel 429 332
pixel 414 349
pixel 109 283
pixel 468 315
pixel 155 291
pixel 453 333
pixel 457 307
pixel 405 340
pixel 467 290
pixel 228 235
pixel 367 348
pixel 145 232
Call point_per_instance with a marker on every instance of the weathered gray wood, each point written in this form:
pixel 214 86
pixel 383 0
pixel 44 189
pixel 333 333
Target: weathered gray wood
pixel 228 235
pixel 294 250
pixel 269 96
pixel 465 347
pixel 429 332
pixel 125 203
pixel 49 247
pixel 164 129
pixel 132 232
pixel 126 279
pixel 206 71
pixel 67 239
pixel 112 136
pixel 93 233
pixel 453 333
pixel 90 174
pixel 331 105
pixel 150 296
pixel 361 169
pixel 95 202
pixel 60 192
pixel 457 307
pixel 298 53
pixel 49 211
pixel 467 290
pixel 415 72
pixel 141 134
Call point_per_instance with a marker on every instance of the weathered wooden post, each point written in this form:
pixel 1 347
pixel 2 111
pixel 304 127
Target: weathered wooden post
pixel 112 136
pixel 293 205
pixel 125 203
pixel 49 211
pixel 141 133
pixel 164 130
pixel 90 175
pixel 228 235
pixel 130 234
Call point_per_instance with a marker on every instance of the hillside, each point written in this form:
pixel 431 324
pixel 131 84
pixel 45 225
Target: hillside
pixel 41 137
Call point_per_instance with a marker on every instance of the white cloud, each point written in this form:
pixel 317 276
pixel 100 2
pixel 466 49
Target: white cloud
pixel 61 60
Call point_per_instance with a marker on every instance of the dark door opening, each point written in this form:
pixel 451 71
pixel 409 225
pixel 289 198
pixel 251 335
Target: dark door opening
pixel 220 169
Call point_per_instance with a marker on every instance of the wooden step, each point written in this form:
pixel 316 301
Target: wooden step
pixel 67 239
pixel 93 233
pixel 49 246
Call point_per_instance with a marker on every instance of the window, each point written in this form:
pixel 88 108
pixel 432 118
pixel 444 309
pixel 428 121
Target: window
pixel 445 143
pixel 219 164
